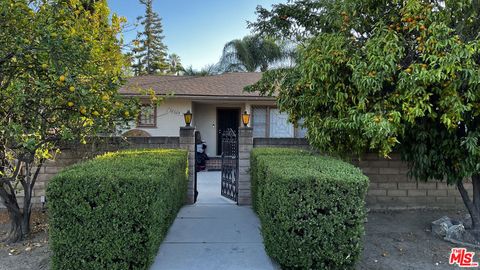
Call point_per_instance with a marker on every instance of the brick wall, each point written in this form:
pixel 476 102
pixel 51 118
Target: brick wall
pixel 281 142
pixel 74 154
pixel 390 188
pixel 214 164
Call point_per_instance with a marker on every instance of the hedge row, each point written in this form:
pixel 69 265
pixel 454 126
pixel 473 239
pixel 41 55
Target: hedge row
pixel 258 173
pixel 311 208
pixel 113 212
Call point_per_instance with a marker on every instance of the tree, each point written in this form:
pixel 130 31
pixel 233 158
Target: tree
pixel 60 68
pixel 250 54
pixel 296 20
pixel 150 52
pixel 175 65
pixel 386 75
pixel 208 70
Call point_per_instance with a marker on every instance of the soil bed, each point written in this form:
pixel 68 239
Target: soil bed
pixel 32 253
pixel 403 240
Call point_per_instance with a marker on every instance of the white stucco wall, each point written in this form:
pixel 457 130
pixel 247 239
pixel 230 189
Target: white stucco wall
pixel 169 118
pixel 206 123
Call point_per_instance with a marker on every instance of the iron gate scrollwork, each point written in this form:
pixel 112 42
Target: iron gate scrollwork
pixel 197 139
pixel 230 165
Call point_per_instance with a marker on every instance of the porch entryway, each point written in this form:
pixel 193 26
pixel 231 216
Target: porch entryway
pixel 208 186
pixel 214 233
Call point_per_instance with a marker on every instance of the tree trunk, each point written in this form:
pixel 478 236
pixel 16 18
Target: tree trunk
pixel 472 205
pixel 16 231
pixel 19 221
pixel 19 218
pixel 27 211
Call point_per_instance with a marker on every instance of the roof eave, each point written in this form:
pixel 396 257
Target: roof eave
pixel 209 97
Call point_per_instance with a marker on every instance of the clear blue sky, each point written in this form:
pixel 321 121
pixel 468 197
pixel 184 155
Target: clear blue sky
pixel 196 30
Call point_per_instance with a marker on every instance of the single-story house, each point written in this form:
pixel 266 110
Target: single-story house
pixel 216 103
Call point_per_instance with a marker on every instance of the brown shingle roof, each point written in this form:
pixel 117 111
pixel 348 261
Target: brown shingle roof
pixel 228 84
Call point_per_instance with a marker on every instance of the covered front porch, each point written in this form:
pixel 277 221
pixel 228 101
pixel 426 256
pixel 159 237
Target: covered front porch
pixel 211 117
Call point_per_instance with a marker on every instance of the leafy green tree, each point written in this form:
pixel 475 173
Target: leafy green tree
pixel 385 75
pixel 251 53
pixel 60 68
pixel 150 53
pixel 296 20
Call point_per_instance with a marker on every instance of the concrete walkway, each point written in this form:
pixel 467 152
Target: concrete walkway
pixel 213 234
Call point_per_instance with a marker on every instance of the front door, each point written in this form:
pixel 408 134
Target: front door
pixel 226 119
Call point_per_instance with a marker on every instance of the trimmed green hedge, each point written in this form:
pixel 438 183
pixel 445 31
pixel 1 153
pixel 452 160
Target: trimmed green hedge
pixel 257 174
pixel 113 212
pixel 311 208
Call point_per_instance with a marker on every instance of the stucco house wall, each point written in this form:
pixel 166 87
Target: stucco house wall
pixel 169 118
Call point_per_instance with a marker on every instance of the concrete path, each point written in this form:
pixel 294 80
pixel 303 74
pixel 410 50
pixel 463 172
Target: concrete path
pixel 213 234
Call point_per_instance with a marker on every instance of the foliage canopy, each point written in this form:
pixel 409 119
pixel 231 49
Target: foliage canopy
pixel 403 77
pixel 385 75
pixel 60 69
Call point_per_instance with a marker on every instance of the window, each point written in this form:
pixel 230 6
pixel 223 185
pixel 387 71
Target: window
pixel 280 127
pixel 147 116
pixel 259 122
pixel 269 122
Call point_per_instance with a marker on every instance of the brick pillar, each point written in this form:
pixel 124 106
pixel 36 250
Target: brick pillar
pixel 245 146
pixel 187 142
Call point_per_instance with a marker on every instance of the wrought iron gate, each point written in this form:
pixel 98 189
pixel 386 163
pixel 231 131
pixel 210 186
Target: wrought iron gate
pixel 230 165
pixel 197 139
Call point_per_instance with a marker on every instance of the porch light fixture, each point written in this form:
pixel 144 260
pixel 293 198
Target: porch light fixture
pixel 188 118
pixel 245 118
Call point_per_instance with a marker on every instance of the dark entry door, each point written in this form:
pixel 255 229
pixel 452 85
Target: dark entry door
pixel 226 119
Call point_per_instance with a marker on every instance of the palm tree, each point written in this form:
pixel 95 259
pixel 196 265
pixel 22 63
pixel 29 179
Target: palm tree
pixel 208 70
pixel 175 63
pixel 251 53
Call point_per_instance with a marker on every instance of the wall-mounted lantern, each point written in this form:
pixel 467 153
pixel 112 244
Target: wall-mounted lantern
pixel 188 118
pixel 245 118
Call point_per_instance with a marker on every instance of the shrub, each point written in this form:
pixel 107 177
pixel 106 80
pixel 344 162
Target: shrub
pixel 311 208
pixel 258 174
pixel 113 212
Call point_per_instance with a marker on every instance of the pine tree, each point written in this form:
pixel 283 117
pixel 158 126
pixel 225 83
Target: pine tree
pixel 150 51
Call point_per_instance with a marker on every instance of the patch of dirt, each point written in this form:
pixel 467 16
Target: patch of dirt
pixel 33 252
pixel 403 240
